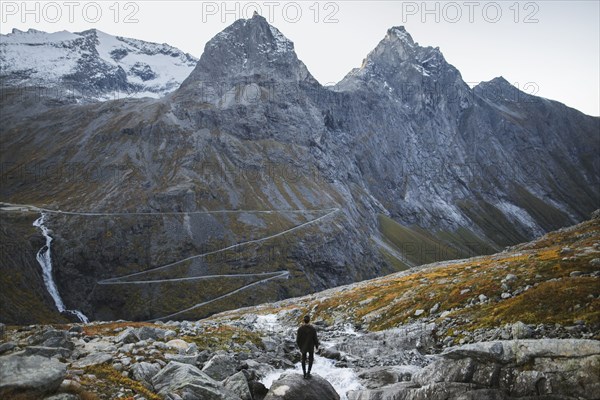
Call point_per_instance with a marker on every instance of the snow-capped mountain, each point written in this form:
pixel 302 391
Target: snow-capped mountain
pixel 92 64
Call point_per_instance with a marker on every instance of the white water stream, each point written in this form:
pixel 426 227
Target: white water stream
pixel 343 380
pixel 45 259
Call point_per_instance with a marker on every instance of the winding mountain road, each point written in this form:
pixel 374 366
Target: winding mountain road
pixel 121 280
pixel 231 247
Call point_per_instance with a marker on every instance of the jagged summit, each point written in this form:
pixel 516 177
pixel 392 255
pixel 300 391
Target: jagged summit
pixel 249 49
pixel 399 67
pixel 498 89
pixel 400 33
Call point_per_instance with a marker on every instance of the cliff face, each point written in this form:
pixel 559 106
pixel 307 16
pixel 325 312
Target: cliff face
pixel 399 164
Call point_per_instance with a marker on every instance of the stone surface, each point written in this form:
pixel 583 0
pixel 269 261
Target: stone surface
pixel 238 384
pixel 47 351
pixel 127 336
pixel 220 367
pixel 517 367
pixel 29 376
pixel 291 386
pixel 178 344
pixel 187 380
pixel 93 359
pixel 144 372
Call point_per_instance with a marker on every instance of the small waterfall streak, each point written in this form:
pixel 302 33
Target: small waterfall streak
pixel 44 258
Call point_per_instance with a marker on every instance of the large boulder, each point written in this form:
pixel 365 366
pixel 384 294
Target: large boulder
pixel 550 369
pixel 520 368
pixel 220 366
pixel 29 376
pixel 52 338
pixel 189 382
pixel 378 377
pixel 144 372
pixel 238 384
pixel 47 351
pixel 127 336
pixel 292 386
pixel 148 332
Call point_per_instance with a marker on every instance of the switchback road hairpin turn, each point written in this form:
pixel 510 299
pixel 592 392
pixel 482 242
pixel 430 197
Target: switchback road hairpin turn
pixel 121 280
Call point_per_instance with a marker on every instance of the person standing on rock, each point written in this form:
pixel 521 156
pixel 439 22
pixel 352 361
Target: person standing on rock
pixel 307 340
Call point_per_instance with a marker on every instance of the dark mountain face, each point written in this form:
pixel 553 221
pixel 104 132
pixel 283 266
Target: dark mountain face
pixel 251 50
pixel 399 164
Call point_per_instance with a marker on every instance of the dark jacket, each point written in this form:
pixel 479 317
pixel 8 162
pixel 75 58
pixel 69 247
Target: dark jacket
pixel 307 338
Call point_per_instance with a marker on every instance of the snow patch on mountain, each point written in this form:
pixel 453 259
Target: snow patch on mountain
pixel 110 64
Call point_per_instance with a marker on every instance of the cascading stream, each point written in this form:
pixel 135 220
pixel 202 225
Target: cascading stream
pixel 45 259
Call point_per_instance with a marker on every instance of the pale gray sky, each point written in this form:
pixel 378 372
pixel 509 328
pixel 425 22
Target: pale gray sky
pixel 554 45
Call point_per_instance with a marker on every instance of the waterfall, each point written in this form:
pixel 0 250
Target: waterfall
pixel 45 259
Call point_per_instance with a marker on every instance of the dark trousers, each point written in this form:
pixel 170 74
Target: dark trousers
pixel 311 358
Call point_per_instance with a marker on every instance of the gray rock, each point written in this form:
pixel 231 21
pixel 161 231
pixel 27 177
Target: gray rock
pixel 127 336
pixel 144 372
pixel 435 308
pixel 331 353
pixel 443 371
pixel 6 347
pixel 238 384
pixel 574 274
pixel 29 376
pixel 76 329
pixel 397 391
pixel 518 367
pixel 259 391
pixel 270 344
pixel 519 330
pixel 220 366
pixel 291 386
pixel 187 380
pixel 47 351
pixel 92 359
pixel 53 338
pixel 182 358
pixel 384 376
pixel 148 332
pixel 566 251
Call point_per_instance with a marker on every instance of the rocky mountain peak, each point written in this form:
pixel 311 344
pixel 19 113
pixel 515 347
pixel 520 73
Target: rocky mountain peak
pixel 401 34
pixel 498 89
pixel 249 49
pixel 91 65
pixel 398 62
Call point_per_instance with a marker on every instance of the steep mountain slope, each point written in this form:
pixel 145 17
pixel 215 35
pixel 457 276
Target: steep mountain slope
pixel 549 283
pixel 252 182
pixel 91 65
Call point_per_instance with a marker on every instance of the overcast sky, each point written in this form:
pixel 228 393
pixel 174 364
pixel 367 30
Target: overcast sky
pixel 550 46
